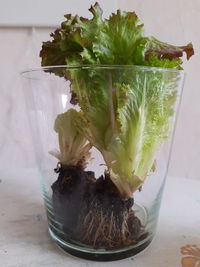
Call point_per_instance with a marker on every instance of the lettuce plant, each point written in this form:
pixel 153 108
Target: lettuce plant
pixel 125 114
pixel 74 148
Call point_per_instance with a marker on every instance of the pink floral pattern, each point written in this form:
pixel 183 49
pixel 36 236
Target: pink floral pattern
pixel 191 256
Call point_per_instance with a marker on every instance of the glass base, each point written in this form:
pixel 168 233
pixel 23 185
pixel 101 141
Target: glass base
pixel 100 255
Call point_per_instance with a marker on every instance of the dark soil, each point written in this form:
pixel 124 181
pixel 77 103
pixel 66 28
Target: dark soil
pixel 92 212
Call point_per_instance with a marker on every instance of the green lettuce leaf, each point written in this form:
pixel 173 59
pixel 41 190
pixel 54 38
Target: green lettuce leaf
pixel 128 121
pixel 74 148
pixel 116 41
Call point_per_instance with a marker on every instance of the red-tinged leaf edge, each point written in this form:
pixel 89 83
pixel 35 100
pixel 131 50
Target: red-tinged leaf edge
pixel 170 52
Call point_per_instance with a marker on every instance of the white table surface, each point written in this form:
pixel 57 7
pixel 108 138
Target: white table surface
pixel 25 242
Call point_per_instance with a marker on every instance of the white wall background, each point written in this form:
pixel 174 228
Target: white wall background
pixel 46 13
pixel 173 21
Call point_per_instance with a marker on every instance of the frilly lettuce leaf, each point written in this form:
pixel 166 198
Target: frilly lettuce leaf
pixel 94 41
pixel 151 52
pixel 118 40
pixel 74 148
pixel 75 35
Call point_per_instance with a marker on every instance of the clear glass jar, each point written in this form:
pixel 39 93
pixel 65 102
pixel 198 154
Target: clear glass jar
pixel 88 216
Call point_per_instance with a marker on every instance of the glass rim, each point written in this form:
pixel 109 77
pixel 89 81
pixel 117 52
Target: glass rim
pixel 100 66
